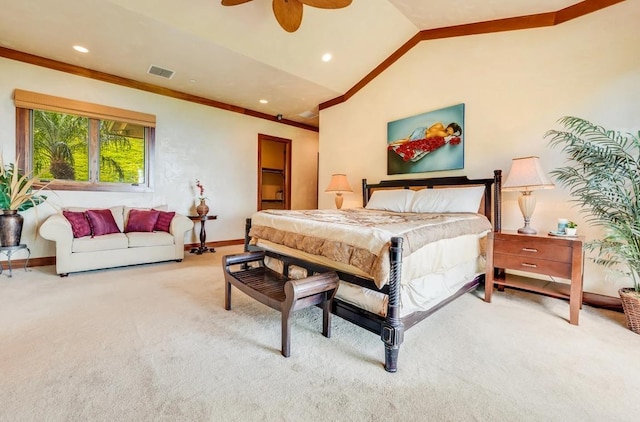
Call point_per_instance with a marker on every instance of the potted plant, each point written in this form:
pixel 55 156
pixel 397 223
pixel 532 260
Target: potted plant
pixel 603 175
pixel 16 194
pixel 572 228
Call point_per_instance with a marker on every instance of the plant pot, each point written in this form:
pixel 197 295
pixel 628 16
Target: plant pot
pixel 10 228
pixel 571 231
pixel 631 306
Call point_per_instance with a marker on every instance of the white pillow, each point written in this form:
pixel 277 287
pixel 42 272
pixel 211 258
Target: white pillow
pixel 398 200
pixel 448 200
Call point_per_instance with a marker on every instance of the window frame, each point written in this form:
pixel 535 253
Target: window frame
pixel 27 101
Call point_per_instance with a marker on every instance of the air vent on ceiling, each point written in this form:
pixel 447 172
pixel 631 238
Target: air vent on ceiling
pixel 158 71
pixel 308 115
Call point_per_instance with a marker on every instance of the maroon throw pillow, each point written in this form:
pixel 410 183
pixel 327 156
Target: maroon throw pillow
pixel 141 220
pixel 164 221
pixel 102 222
pixel 79 223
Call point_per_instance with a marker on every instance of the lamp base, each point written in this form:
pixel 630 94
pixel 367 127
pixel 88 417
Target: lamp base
pixel 527 230
pixel 527 203
pixel 339 200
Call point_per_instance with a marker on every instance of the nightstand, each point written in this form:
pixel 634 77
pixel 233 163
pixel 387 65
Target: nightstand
pixel 543 254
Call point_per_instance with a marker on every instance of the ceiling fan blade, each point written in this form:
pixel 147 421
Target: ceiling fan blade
pixel 288 14
pixel 233 2
pixel 326 4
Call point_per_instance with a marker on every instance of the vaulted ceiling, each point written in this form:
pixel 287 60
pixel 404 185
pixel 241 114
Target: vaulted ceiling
pixel 233 57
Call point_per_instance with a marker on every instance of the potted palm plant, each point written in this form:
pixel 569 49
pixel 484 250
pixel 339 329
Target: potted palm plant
pixel 16 194
pixel 602 172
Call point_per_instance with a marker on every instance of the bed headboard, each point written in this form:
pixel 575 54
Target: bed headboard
pixel 492 191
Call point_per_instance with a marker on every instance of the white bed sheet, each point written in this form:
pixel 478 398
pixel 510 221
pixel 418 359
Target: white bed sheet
pixel 429 275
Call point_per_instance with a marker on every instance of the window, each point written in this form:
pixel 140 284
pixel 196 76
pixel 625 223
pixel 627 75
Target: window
pixel 84 146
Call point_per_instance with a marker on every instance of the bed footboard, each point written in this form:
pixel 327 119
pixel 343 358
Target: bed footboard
pixel 390 329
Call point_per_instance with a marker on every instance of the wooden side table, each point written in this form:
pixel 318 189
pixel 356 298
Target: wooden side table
pixel 203 232
pixel 552 256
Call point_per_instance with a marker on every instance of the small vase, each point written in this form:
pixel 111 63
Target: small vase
pixel 202 208
pixel 10 228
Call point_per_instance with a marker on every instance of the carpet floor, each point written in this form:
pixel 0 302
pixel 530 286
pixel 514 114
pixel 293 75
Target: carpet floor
pixel 154 343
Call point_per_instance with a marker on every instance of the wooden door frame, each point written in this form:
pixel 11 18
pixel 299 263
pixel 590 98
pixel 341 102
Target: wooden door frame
pixel 287 168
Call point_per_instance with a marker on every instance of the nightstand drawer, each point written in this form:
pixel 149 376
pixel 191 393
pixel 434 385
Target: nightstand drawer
pixel 538 249
pixel 533 265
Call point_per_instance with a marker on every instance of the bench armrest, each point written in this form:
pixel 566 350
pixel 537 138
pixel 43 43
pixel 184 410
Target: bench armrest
pixel 242 258
pixel 312 285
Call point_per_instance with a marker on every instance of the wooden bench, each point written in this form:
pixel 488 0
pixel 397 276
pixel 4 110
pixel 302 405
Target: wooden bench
pixel 278 291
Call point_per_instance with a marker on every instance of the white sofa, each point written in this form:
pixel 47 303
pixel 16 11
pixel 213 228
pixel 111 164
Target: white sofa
pixel 115 249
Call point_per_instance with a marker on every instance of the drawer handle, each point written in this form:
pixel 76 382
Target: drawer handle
pixel 525 264
pixel 529 250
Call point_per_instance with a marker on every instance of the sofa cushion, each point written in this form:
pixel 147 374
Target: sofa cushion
pixel 143 239
pixel 141 220
pixel 79 223
pixel 164 221
pixel 127 209
pixel 102 222
pixel 100 243
pixel 116 211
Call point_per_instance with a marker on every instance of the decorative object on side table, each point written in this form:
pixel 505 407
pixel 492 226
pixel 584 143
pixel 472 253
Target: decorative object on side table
pixel 202 208
pixel 339 184
pixel 526 175
pixel 572 229
pixel 566 228
pixel 16 194
pixel 603 174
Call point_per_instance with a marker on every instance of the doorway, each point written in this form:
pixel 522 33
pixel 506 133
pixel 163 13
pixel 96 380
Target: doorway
pixel 274 173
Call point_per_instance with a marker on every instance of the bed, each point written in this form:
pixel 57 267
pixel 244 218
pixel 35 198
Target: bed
pixel 414 246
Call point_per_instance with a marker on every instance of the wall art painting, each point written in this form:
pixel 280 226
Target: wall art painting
pixel 431 141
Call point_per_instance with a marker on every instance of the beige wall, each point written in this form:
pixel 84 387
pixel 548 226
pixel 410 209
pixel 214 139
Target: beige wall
pixel 515 85
pixel 192 142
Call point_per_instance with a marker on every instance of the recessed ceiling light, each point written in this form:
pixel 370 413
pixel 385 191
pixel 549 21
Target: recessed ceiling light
pixel 81 49
pixel 263 101
pixel 326 57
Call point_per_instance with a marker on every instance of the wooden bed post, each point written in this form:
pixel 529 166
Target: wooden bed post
pixel 247 239
pixel 365 193
pixel 393 329
pixel 497 200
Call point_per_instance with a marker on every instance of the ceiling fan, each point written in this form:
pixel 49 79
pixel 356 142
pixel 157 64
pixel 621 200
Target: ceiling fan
pixel 289 12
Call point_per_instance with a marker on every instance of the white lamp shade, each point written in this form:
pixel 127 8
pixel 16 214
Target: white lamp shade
pixel 339 183
pixel 526 174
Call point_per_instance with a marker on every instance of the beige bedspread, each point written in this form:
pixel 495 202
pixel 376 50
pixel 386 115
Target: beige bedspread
pixel 361 237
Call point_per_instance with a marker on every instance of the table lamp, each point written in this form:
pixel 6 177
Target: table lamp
pixel 526 175
pixel 339 184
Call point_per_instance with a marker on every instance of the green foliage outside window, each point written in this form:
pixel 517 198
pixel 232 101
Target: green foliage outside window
pixel 62 144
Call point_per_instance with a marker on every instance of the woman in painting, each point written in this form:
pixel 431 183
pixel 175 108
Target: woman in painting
pixel 433 131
